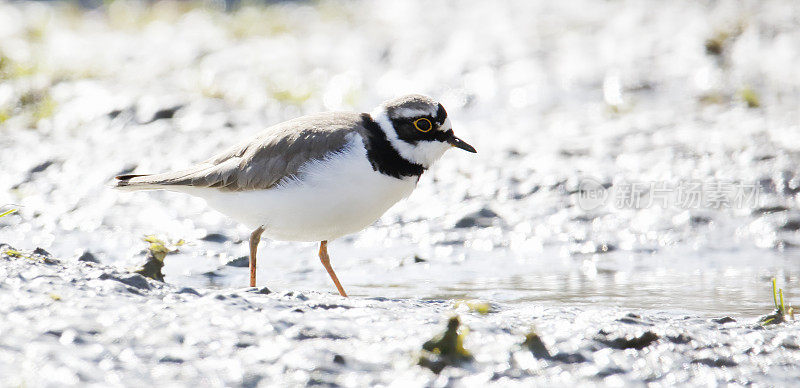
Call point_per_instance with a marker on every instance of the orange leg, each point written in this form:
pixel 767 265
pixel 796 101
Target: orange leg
pixel 255 237
pixel 326 261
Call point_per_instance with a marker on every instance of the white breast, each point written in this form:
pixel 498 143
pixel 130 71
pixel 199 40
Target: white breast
pixel 336 196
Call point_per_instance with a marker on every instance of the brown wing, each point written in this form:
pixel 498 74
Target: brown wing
pixel 260 163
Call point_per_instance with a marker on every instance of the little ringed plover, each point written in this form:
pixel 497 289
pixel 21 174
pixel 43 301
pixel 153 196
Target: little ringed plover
pixel 318 177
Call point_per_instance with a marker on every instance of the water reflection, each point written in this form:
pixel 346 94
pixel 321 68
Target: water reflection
pixel 716 293
pixel 708 289
pixel 708 282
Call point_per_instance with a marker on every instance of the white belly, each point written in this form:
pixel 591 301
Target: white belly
pixel 336 197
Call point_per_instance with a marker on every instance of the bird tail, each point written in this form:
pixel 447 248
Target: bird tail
pixel 181 180
pixel 136 182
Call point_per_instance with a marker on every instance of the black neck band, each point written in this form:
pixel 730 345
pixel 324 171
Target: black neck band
pixel 383 157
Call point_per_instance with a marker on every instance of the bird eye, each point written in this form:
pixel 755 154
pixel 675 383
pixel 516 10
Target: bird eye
pixel 423 124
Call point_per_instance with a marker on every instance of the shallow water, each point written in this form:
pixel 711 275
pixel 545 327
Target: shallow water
pixel 714 285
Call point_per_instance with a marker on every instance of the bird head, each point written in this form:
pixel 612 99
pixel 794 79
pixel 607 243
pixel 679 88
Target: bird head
pixel 418 128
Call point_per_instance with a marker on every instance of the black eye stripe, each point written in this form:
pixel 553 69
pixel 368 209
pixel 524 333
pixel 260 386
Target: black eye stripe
pixel 441 114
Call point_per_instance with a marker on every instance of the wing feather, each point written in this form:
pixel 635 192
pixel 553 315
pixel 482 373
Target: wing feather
pixel 262 162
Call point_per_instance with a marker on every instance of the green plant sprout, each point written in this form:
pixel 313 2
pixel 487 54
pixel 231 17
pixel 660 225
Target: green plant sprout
pixel 11 252
pixel 781 311
pixel 14 253
pixel 17 254
pixel 156 252
pixel 445 349
pixel 750 97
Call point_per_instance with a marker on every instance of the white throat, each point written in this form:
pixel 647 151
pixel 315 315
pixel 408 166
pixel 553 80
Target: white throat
pixel 424 153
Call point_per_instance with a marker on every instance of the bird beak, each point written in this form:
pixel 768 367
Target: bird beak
pixel 458 143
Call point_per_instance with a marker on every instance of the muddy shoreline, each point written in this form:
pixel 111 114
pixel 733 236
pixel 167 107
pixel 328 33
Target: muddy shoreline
pixel 70 322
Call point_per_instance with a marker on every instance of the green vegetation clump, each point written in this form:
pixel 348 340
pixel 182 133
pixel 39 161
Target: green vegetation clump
pixel 156 253
pixel 252 21
pixel 715 45
pixel 35 256
pixel 5 67
pixel 37 104
pixel 781 311
pixel 10 69
pixel 474 306
pixel 750 97
pixel 44 107
pixel 291 97
pixel 445 349
pixel 719 43
pixel 10 252
pixel 5 114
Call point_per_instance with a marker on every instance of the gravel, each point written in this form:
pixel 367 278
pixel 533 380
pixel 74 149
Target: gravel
pixel 71 322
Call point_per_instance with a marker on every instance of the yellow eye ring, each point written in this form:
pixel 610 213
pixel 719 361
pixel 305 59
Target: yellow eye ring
pixel 426 125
